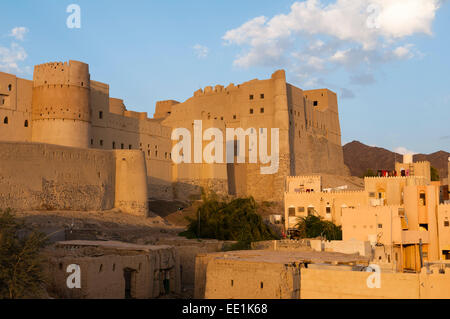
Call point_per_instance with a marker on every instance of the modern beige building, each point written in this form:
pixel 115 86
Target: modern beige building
pixel 401 216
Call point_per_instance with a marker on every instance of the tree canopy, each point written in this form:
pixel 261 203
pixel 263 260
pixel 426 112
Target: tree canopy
pixel 314 226
pixel 21 274
pixel 235 220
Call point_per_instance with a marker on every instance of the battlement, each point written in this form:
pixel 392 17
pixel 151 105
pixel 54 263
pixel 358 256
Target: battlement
pixel 392 177
pixel 208 90
pixel 304 177
pixel 311 194
pixel 72 73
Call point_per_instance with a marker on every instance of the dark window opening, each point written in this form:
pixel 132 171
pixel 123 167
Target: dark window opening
pixel 262 285
pixel 26 123
pixel 291 212
pixel 10 87
pixel 328 210
pixel 5 121
pixel 251 111
pixel 122 146
pixel 262 96
pixel 114 145
pixel 130 282
pixel 101 142
pixel 423 199
pixel 380 226
pixel 100 115
pixel 446 223
pixel 262 110
pixel 251 97
pixel 316 103
pixel 130 147
pixel 234 117
pixel 425 226
pixel 92 141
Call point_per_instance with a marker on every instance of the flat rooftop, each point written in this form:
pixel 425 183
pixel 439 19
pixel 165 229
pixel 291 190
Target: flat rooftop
pixel 117 245
pixel 289 257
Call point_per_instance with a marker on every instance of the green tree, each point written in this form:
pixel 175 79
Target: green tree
pixel 434 174
pixel 235 220
pixel 314 226
pixel 21 274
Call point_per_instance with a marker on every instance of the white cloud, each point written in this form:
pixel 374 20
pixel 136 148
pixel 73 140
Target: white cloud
pixel 404 52
pixel 201 51
pixel 404 151
pixel 10 59
pixel 315 37
pixel 19 33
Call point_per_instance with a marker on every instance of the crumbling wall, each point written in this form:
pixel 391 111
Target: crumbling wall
pixel 41 176
pixel 234 279
pixel 102 273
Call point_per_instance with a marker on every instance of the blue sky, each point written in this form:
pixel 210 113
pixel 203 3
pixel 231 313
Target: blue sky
pixel 387 60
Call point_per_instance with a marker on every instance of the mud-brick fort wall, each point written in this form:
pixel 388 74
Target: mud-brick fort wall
pixel 113 127
pixel 43 176
pixel 309 131
pixel 15 108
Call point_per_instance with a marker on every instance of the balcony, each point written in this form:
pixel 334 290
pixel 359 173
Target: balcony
pixel 411 237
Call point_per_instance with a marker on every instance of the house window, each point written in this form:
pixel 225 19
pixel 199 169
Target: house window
pixel 5 121
pixel 262 110
pixel 100 115
pixel 234 117
pixel 92 141
pixel 251 97
pixel 328 209
pixel 114 145
pixel 446 222
pixel 10 88
pixel 122 146
pixel 251 111
pixel 301 209
pixel 262 96
pixel 130 147
pixel 26 123
pixel 423 199
pixel 380 226
pixel 316 103
pixel 371 194
pixel 101 142
pixel 291 211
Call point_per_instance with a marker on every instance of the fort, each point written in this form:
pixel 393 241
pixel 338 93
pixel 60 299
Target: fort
pixel 67 138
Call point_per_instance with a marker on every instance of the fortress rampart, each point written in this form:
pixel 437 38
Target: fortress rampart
pixel 61 104
pixel 36 176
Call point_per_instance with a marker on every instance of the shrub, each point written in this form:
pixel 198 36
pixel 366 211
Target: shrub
pixel 235 220
pixel 21 274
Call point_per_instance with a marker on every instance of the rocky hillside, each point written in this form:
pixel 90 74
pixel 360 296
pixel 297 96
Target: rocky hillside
pixel 360 157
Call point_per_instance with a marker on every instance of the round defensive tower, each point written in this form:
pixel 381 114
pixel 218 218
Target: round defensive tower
pixel 61 104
